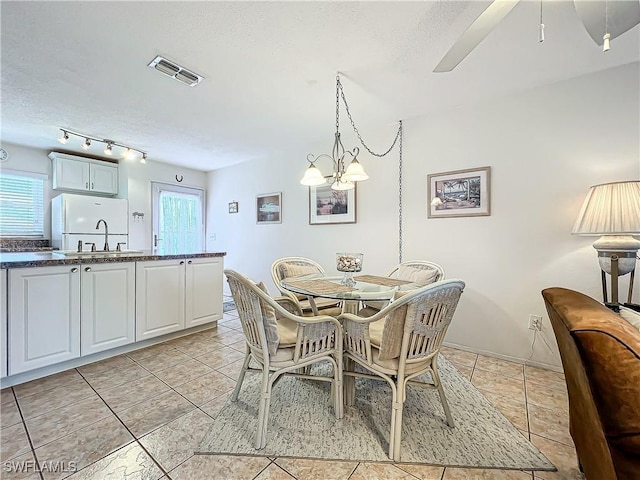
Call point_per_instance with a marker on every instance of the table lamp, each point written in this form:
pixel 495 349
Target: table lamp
pixel 612 211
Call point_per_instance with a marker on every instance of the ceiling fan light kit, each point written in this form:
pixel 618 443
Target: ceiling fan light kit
pixel 616 17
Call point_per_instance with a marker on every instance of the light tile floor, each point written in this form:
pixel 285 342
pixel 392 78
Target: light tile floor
pixel 141 415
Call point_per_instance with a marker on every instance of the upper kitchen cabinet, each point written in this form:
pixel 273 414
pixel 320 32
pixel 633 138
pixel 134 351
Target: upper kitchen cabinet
pixel 81 174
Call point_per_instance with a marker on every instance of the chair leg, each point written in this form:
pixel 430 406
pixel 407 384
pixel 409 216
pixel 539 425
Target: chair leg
pixel 443 398
pixel 349 384
pixel 267 404
pixel 396 422
pixel 397 442
pixel 338 389
pixel 263 409
pixel 245 366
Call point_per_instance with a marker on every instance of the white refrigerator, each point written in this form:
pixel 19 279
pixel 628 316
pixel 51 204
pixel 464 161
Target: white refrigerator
pixel 74 219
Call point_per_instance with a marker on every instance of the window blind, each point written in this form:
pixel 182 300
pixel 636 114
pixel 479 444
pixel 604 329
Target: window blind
pixel 21 205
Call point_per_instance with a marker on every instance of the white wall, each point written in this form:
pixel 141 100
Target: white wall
pixel 545 148
pixel 134 183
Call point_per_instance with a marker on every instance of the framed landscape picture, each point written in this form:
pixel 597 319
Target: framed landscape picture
pixel 460 193
pixel 269 208
pixel 331 206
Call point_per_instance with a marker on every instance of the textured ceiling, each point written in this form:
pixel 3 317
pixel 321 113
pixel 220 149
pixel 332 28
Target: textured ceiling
pixel 269 69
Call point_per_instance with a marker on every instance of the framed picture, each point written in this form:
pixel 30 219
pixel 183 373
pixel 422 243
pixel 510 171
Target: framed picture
pixel 269 208
pixel 331 206
pixel 233 207
pixel 461 193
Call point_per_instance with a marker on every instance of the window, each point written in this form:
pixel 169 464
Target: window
pixel 21 204
pixel 178 214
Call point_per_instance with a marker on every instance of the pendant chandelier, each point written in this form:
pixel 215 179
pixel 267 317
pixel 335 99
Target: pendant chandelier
pixel 341 178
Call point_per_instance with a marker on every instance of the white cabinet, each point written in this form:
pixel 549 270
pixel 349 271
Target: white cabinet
pixel 159 297
pixel 84 174
pixel 175 294
pixel 3 319
pixel 203 291
pixel 108 306
pixel 103 178
pixel 44 316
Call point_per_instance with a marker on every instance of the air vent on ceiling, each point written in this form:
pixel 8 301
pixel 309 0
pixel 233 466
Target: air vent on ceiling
pixel 176 71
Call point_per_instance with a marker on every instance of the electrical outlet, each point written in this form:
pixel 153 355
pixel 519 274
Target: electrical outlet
pixel 535 322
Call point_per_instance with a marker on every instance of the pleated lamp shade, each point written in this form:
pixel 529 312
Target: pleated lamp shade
pixel 610 209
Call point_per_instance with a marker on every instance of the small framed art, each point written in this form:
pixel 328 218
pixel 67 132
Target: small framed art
pixel 459 193
pixel 233 207
pixel 269 208
pixel 331 206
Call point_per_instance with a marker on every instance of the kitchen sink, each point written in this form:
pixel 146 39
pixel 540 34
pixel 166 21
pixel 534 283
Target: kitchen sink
pixel 97 253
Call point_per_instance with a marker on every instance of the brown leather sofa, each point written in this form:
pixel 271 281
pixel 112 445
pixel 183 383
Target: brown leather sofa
pixel 601 358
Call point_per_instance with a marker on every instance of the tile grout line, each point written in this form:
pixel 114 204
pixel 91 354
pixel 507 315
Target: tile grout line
pixel 26 431
pixel 135 439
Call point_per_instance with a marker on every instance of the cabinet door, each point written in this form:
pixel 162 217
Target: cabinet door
pixel 108 306
pixel 159 298
pixel 70 174
pixel 44 316
pixel 203 292
pixel 104 178
pixel 3 319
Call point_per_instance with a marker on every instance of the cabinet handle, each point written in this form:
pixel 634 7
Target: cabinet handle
pixel 74 270
pixel 91 185
pixel 182 262
pixel 88 269
pixel 86 185
pixel 189 262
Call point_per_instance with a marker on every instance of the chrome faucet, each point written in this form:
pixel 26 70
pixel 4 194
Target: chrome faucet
pixel 106 233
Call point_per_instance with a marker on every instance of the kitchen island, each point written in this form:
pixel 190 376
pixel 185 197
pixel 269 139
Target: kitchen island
pixel 65 310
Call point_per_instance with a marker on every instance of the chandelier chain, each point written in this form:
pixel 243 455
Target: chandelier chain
pixel 400 198
pixel 355 129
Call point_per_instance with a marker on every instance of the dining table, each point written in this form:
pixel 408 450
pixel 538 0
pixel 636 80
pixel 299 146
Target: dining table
pixel 363 288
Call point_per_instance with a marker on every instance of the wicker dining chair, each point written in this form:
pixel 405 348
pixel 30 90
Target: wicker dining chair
pixel 415 325
pixel 289 267
pixel 280 343
pixel 421 272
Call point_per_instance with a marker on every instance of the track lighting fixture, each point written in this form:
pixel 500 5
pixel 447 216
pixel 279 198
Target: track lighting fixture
pixel 128 152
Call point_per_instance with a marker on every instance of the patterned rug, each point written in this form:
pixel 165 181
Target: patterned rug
pixel 227 306
pixel 302 424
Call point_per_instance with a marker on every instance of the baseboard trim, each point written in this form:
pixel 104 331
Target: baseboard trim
pixel 23 377
pixel 508 358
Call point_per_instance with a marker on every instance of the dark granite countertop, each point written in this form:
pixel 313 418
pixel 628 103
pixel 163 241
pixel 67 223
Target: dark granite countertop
pixel 46 259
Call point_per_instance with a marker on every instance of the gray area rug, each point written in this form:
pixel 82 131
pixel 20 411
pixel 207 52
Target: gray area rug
pixel 227 306
pixel 302 424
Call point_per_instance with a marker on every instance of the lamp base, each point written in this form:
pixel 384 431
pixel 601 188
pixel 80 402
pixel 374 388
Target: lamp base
pixel 617 256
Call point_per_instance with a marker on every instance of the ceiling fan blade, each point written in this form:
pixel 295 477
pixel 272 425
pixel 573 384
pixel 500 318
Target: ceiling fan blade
pixel 623 15
pixel 477 31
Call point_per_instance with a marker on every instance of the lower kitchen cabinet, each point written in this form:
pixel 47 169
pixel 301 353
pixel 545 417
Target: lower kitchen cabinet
pixel 44 316
pixel 175 294
pixel 159 297
pixel 203 291
pixel 3 319
pixel 108 306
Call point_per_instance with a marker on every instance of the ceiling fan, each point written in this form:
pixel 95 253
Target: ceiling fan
pixel 621 15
